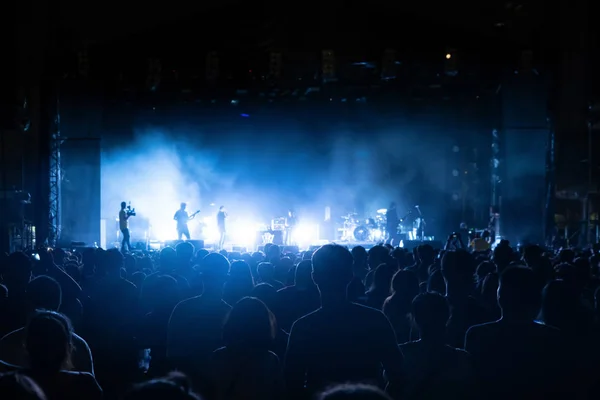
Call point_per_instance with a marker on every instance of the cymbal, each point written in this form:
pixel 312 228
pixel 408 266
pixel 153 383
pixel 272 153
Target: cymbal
pixel 382 211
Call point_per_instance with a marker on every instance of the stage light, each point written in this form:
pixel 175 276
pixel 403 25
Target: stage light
pixel 243 233
pixel 448 56
pixel 210 231
pixel 305 234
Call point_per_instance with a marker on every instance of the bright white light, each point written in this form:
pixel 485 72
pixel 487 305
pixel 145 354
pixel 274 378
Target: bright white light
pixel 448 56
pixel 305 234
pixel 242 233
pixel 377 235
pixel 210 231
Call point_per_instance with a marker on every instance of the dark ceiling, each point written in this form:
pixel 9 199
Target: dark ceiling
pixel 114 19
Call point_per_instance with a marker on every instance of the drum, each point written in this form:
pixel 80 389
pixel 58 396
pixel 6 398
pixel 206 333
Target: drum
pixel 371 223
pixel 361 233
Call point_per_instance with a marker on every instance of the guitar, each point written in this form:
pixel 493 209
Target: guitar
pixel 194 214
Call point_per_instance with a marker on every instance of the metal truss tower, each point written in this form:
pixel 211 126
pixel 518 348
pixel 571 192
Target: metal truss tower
pixel 54 215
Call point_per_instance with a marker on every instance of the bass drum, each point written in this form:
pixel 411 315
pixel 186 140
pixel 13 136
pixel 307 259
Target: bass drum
pixel 362 234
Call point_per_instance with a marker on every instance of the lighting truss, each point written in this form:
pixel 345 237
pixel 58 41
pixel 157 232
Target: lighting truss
pixel 54 221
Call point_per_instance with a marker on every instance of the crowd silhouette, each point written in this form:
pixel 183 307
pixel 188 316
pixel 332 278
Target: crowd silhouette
pixel 334 323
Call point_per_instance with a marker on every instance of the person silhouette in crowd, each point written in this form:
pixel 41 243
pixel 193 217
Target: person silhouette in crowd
pixel 515 357
pixel 266 274
pixel 110 325
pixel 381 286
pixel 299 299
pixel 16 274
pixel 425 256
pixel 356 289
pixel 397 307
pixel 43 293
pixel 20 387
pixel 245 368
pixel 162 295
pixel 341 341
pixel 239 282
pixel 174 386
pixel 167 265
pixel 49 344
pixel 196 324
pixel 357 391
pixel 458 269
pixel 268 295
pixel 432 368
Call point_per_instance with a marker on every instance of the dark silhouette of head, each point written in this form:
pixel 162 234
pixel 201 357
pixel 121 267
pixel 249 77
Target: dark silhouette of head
pixel 222 208
pixel 353 392
pixel 167 259
pixel 266 271
pixel 17 271
pixel 185 251
pixel 114 261
pixel 249 326
pixel 532 255
pixel 518 296
pixel 332 269
pixel 377 255
pixel 174 386
pixel 183 206
pixel 405 285
pixel 214 269
pixel 430 313
pixel 359 254
pixel 303 276
pixel 43 293
pixel 123 205
pixel 266 293
pixel 458 268
pixel 239 271
pixel 426 254
pixel 560 302
pixel 49 341
pixel 382 279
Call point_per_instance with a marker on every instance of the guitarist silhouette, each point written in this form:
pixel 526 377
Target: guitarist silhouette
pixel 182 218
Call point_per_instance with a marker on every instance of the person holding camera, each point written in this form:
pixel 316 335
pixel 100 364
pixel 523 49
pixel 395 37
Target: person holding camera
pixel 124 226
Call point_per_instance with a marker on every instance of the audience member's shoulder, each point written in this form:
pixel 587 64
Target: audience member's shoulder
pixel 6 367
pixel 544 329
pixel 191 302
pixel 483 328
pixel 362 311
pixel 306 320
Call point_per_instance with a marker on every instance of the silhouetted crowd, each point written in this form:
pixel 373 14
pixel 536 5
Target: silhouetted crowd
pixel 387 323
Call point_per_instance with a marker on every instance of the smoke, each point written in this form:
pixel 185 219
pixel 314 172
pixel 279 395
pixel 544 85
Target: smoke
pixel 155 177
pixel 259 177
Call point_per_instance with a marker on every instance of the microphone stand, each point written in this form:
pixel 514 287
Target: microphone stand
pixel 421 224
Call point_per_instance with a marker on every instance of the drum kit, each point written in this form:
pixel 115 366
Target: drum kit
pixel 371 229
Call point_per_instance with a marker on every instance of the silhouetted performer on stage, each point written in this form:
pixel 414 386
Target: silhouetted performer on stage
pixel 182 218
pixel 290 224
pixel 221 218
pixel 124 227
pixel 392 221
